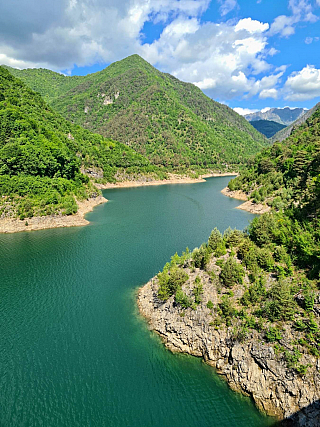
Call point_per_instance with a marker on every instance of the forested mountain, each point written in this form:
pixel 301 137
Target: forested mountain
pixel 41 155
pixel 287 177
pixel 267 127
pixel 284 116
pixel 284 133
pixel 170 122
pixel 252 298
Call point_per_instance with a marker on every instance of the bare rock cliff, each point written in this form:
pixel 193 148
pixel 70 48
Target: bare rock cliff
pixel 251 367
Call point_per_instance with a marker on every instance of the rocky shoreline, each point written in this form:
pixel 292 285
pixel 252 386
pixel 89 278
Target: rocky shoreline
pixel 248 205
pixel 10 225
pixel 251 367
pixel 173 179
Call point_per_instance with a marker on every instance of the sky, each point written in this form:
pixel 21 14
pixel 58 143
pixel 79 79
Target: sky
pixel 248 54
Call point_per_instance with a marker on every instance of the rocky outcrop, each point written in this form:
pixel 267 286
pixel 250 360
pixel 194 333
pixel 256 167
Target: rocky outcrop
pixel 248 205
pixel 251 367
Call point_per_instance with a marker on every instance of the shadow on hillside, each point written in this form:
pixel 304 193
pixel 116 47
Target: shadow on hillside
pixel 307 417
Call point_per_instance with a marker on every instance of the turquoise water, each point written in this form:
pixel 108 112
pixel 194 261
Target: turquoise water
pixel 74 351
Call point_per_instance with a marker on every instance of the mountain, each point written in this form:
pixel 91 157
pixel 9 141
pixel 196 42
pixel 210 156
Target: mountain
pixel 267 127
pixel 42 155
pixel 284 133
pixel 286 176
pixel 171 122
pixel 252 298
pixel 284 116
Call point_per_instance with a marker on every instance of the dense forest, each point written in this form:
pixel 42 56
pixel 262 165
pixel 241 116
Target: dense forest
pixel 170 122
pixel 267 277
pixel 42 155
pixel 267 127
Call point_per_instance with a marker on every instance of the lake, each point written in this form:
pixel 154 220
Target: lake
pixel 75 352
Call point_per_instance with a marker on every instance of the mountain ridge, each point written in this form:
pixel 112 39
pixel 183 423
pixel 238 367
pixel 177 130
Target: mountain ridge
pixel 284 116
pixel 170 122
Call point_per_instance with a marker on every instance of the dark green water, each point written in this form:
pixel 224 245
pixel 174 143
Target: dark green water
pixel 73 350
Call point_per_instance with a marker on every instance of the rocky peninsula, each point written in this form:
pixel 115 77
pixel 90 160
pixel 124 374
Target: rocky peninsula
pixel 252 360
pixel 15 225
pixel 248 205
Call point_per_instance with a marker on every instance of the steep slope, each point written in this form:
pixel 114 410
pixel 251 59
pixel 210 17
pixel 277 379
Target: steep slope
pixel 287 177
pixel 284 116
pixel 284 133
pixel 41 155
pixel 267 127
pixel 249 302
pixel 171 122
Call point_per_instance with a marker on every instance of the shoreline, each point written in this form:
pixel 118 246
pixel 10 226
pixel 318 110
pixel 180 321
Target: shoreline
pixel 251 368
pixel 173 179
pixel 248 205
pixel 9 225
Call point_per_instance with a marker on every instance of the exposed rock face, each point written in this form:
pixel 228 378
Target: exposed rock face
pixel 285 116
pixel 250 367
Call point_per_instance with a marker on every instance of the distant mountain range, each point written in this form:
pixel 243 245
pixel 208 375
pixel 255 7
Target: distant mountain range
pixel 284 116
pixel 172 123
pixel 286 132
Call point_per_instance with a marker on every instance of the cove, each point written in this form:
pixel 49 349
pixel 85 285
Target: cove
pixel 75 352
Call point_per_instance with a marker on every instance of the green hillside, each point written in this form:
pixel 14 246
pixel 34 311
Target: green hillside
pixel 171 122
pixel 41 155
pixel 267 127
pixel 261 285
pixel 287 177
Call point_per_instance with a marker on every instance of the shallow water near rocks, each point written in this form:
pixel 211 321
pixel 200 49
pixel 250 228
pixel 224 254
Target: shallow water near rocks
pixel 75 352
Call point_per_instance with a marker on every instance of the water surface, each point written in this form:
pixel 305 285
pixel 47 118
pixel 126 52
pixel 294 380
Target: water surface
pixel 74 351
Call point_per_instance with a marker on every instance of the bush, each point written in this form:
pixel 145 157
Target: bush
pixel 201 256
pixel 231 273
pixel 170 281
pixel 210 305
pixel 265 259
pixel 215 240
pixel 198 291
pixel 273 334
pixel 182 299
pixel 226 307
pixel 280 305
pixel 232 238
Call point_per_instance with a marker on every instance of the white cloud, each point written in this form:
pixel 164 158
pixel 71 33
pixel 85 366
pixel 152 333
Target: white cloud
pixel 244 111
pixel 268 93
pixel 285 25
pixel 310 40
pixel 227 6
pixel 219 58
pixel 264 110
pixel 82 32
pixel 251 26
pixel 303 85
pixel 226 59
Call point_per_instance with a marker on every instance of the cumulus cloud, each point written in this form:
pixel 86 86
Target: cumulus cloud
pixel 303 85
pixel 244 111
pixel 221 59
pixel 226 59
pixel 268 93
pixel 81 32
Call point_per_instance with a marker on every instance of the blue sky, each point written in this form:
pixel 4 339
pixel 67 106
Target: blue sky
pixel 249 54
